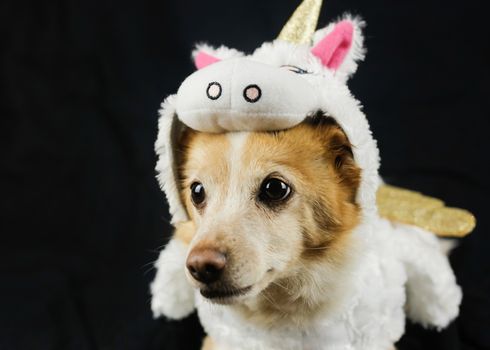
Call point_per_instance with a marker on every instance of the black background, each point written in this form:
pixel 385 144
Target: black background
pixel 82 217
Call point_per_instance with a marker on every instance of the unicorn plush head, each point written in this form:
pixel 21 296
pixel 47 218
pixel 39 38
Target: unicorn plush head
pixel 276 87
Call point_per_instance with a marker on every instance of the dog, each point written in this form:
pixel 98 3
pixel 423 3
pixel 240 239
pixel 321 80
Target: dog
pixel 272 214
pixel 272 221
pixel 271 174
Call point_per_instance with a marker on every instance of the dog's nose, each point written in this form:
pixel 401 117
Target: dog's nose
pixel 206 265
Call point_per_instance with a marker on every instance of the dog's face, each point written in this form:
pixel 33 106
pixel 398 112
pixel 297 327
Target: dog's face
pixel 266 205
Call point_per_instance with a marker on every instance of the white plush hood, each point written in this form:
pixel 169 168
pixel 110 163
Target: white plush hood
pixel 275 88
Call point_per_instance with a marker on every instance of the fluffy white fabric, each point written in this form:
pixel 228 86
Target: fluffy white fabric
pixel 372 316
pixel 169 131
pixel 173 296
pixel 399 266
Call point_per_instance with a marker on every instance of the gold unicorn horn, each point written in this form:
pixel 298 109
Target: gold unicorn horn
pixel 302 24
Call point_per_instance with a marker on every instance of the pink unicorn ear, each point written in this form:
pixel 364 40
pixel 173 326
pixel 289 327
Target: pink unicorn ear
pixel 203 59
pixel 334 47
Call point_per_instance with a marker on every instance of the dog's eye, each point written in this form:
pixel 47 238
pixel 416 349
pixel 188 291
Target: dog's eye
pixel 198 194
pixel 274 190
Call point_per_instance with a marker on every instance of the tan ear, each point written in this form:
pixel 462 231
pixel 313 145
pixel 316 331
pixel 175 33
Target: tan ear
pixel 182 152
pixel 339 153
pixel 342 157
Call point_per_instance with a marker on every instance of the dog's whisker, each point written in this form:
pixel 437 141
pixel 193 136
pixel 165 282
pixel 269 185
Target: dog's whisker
pixel 280 285
pixel 148 263
pixel 163 218
pixel 159 248
pixel 148 270
pixel 269 299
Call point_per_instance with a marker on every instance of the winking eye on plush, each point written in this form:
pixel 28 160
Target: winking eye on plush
pixel 295 69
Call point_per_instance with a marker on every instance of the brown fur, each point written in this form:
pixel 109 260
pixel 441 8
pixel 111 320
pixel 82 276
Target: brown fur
pixel 207 151
pixel 185 231
pixel 323 155
pixel 208 344
pixel 319 157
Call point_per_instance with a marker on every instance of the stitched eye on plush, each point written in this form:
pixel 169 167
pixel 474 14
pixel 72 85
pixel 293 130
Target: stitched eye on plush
pixel 295 69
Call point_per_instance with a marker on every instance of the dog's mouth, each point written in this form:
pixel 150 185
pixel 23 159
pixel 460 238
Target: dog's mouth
pixel 222 295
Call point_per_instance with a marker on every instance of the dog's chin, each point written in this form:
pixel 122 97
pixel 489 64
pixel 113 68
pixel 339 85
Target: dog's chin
pixel 226 295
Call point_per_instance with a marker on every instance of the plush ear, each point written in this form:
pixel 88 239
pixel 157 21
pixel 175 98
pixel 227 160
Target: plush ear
pixel 203 59
pixel 339 46
pixel 204 55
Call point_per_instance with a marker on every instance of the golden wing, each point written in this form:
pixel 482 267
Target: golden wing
pixel 431 214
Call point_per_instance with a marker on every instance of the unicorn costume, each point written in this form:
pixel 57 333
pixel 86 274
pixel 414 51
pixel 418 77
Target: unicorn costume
pixel 400 270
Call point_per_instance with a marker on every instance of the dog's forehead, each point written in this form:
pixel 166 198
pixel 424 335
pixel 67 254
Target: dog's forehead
pixel 215 152
pixel 205 152
pixel 250 154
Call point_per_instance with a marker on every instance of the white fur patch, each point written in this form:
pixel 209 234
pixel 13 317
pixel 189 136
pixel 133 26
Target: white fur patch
pixel 237 142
